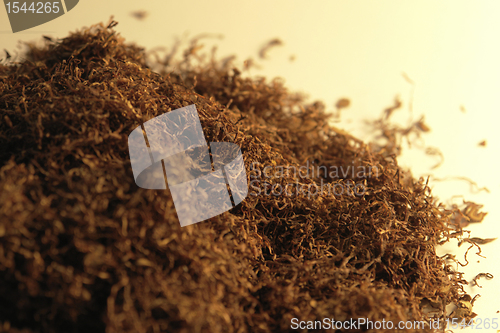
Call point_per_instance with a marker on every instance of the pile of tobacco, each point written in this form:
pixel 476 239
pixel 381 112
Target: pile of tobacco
pixel 84 249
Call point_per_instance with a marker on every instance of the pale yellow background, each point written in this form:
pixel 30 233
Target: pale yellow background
pixel 358 49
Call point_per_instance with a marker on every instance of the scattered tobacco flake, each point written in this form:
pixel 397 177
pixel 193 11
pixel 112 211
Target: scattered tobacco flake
pixel 477 240
pixel 420 124
pixel 397 105
pixel 482 143
pixel 487 276
pixel 249 63
pixel 272 43
pixel 470 213
pixel 83 249
pixel 474 299
pixel 474 241
pixel 394 133
pixel 464 308
pixel 434 151
pixel 342 103
pixel 474 187
pixel 140 14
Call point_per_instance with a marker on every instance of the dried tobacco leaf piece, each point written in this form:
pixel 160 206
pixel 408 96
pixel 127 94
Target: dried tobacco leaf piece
pixel 471 212
pixel 434 151
pixel 343 103
pixel 464 308
pixel 478 240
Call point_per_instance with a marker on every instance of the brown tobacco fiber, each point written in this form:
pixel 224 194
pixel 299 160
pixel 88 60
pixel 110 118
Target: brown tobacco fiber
pixel 83 249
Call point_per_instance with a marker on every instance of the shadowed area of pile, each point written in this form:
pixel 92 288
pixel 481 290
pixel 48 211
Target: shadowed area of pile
pixel 83 249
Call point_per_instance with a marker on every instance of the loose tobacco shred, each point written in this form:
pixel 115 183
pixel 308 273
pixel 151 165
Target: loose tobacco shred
pixel 487 276
pixel 272 43
pixel 139 14
pixel 83 249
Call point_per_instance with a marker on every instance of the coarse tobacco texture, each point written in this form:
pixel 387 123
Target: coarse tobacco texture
pixel 83 249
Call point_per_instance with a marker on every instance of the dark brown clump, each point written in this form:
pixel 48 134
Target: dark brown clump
pixel 83 249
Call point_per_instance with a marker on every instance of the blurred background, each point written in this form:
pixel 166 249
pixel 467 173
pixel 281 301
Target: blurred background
pixel 440 58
